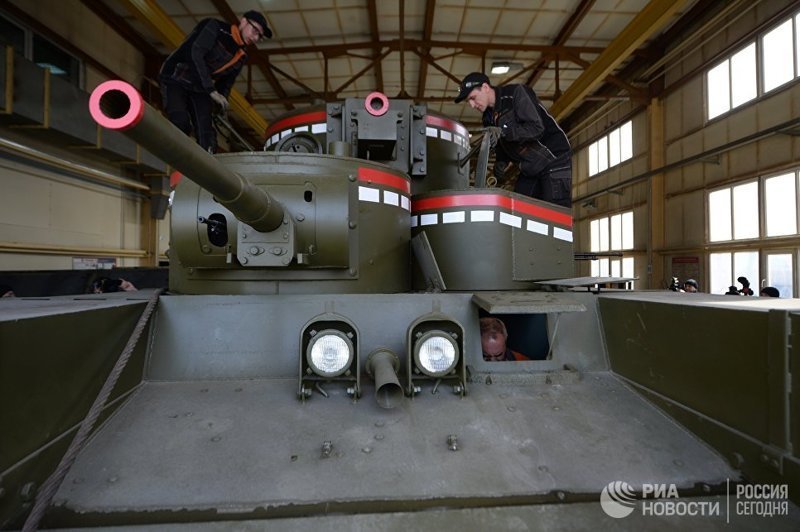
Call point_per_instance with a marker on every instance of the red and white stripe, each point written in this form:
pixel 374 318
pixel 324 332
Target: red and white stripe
pixel 377 186
pixel 492 208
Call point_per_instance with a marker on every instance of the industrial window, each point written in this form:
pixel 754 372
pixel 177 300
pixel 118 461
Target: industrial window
pixel 732 82
pixel 12 34
pixel 779 66
pixel 611 149
pixel 41 51
pixel 608 234
pixel 780 272
pixel 780 205
pixel 726 267
pixel 733 213
pixel 60 63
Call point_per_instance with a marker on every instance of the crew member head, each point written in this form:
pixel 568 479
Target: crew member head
pixel 475 88
pixel 253 27
pixel 493 339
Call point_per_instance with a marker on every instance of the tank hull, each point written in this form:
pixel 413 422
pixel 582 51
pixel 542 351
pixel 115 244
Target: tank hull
pixel 209 429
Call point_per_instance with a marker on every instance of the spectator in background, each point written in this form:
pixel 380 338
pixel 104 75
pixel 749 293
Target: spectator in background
pixel 691 286
pixel 6 291
pixel 770 291
pixel 104 285
pixel 732 291
pixel 746 290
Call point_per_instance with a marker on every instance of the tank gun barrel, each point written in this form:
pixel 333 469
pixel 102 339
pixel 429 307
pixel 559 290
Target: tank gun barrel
pixel 117 105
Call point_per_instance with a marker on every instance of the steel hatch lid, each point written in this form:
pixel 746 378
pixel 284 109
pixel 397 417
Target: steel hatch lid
pixel 526 302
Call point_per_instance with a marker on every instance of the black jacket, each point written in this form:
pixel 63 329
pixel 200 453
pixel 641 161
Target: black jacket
pixel 527 131
pixel 209 59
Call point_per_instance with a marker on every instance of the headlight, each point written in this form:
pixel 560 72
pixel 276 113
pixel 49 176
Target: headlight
pixel 436 353
pixel 330 353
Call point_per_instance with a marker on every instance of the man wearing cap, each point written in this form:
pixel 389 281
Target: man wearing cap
pixel 201 72
pixel 526 134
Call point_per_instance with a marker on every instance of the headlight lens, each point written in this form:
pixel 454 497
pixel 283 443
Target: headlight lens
pixel 436 353
pixel 330 353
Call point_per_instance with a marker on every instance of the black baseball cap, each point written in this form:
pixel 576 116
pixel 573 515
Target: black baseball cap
pixel 471 81
pixel 259 19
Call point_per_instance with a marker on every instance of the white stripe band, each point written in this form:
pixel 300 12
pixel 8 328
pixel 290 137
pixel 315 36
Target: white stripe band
pixel 562 234
pixel 509 219
pixel 369 194
pixel 453 217
pixel 481 216
pixel 390 198
pixel 428 219
pixel 537 227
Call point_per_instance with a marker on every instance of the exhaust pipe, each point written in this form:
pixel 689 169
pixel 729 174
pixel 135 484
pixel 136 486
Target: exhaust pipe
pixel 382 365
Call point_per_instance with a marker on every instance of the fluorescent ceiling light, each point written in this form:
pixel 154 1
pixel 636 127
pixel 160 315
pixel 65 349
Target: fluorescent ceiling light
pixel 500 67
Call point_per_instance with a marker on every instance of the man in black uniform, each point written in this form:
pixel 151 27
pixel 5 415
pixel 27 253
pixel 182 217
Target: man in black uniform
pixel 526 134
pixel 201 72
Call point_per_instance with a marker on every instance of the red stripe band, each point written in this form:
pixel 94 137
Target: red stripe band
pixel 446 124
pixel 297 120
pixel 371 175
pixel 492 200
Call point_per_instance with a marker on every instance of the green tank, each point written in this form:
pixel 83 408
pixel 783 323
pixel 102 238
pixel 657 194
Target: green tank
pixel 323 358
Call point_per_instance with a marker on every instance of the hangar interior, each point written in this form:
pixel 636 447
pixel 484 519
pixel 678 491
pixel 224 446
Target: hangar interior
pixel 698 186
pixel 683 117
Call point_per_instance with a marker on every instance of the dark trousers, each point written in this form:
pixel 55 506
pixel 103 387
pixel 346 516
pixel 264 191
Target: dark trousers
pixel 189 111
pixel 553 185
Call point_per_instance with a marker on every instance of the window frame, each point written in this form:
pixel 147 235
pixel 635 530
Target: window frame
pixel 758 41
pixel 28 52
pixel 732 222
pixel 606 139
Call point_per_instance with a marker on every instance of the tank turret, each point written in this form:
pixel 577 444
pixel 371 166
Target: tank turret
pixel 281 221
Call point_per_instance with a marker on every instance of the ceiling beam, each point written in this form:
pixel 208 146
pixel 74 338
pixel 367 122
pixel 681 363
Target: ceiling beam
pixel 563 35
pixel 372 12
pixel 475 48
pixel 649 20
pixel 151 14
pixel 119 25
pixel 427 33
pixel 693 20
pixel 634 91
